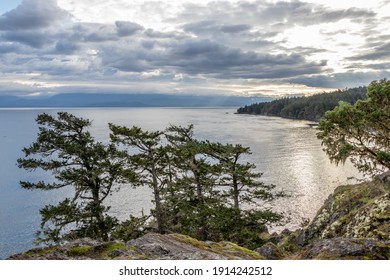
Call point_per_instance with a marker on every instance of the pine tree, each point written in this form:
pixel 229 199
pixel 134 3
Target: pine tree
pixel 69 152
pixel 148 158
pixel 239 180
pixel 360 132
pixel 195 179
pixel 241 216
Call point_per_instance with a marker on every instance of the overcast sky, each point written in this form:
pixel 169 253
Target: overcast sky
pixel 208 47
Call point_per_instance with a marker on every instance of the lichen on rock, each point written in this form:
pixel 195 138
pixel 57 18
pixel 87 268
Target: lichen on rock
pixel 353 211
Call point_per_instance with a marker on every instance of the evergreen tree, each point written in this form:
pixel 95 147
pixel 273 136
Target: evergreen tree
pixel 64 148
pixel 241 216
pixel 311 108
pixel 148 158
pixel 361 131
pixel 240 179
pixel 195 179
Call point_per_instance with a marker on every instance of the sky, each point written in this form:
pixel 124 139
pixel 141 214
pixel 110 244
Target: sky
pixel 250 48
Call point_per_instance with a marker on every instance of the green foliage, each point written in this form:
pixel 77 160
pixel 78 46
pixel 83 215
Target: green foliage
pixel 130 229
pixel 310 108
pixel 243 227
pixel 199 187
pixel 64 148
pixel 239 181
pixel 194 178
pixel 361 131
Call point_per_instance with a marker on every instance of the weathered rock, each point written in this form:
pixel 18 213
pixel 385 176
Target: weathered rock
pixel 345 248
pixel 384 178
pixel 353 223
pixel 82 249
pixel 149 246
pixel 355 211
pixel 169 247
pixel 270 252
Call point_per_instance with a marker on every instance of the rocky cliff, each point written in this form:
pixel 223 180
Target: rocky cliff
pixel 353 223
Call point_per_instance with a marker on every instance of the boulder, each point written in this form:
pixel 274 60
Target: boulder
pixel 345 249
pixel 353 211
pixel 270 252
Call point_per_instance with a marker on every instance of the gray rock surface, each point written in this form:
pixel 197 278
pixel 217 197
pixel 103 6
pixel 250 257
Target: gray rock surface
pixel 346 248
pixel 149 246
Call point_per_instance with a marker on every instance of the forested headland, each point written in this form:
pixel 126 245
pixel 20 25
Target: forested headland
pixel 310 108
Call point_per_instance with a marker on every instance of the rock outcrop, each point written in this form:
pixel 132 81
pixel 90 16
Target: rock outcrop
pixel 353 223
pixel 149 246
pixel 345 249
pixel 354 211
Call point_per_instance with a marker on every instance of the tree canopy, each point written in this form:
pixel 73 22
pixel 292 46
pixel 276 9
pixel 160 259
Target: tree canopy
pixel 64 148
pixel 360 132
pixel 200 188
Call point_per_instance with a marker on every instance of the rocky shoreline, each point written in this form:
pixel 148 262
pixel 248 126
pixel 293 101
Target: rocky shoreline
pixel 353 223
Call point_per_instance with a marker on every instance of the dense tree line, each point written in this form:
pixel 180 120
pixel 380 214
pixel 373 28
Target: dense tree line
pixel 200 188
pixel 310 108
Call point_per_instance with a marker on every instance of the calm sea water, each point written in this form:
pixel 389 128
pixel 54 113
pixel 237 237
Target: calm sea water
pixel 286 151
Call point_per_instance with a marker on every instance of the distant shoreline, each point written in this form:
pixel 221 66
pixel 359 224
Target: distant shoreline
pixel 127 100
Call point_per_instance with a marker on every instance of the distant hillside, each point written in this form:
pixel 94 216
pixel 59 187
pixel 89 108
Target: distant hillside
pixel 126 100
pixel 310 108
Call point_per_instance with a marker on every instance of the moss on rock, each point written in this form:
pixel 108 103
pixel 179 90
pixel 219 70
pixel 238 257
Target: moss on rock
pixel 356 211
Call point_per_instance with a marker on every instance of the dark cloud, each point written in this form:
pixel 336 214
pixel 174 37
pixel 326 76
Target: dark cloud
pixel 378 51
pixel 205 57
pixel 66 47
pixel 32 14
pixel 148 44
pixel 341 80
pixel 235 28
pixel 212 27
pixel 94 32
pixel 34 39
pixel 126 58
pixel 126 28
pixel 8 48
pixel 370 66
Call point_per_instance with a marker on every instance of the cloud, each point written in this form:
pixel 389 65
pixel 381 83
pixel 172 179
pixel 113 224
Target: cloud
pixel 34 39
pixel 303 13
pixel 276 16
pixel 194 45
pixel 341 80
pixel 212 27
pixel 126 28
pixel 66 46
pixel 205 57
pixel 8 48
pixel 33 14
pixel 94 32
pixel 378 52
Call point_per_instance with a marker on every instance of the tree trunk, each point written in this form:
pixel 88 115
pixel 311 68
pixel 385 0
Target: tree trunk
pixel 157 201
